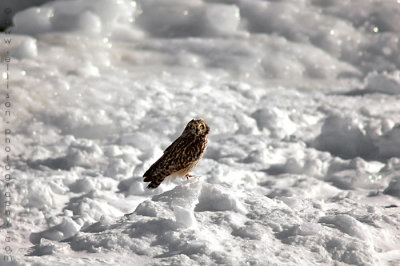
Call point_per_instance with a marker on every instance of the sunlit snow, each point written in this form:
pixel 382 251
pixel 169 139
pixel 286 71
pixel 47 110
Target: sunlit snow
pixel 303 162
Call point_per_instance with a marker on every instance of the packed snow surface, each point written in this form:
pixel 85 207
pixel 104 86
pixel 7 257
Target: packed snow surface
pixel 303 162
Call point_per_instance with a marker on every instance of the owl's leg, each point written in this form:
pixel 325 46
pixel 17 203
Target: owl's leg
pixel 187 176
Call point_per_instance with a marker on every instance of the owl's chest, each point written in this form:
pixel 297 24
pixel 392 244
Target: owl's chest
pixel 195 148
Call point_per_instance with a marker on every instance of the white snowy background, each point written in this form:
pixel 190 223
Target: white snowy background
pixel 303 162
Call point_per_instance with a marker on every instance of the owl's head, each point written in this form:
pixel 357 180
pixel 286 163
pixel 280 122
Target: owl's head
pixel 197 127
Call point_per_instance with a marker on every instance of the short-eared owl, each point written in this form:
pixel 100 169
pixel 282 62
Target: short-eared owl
pixel 181 156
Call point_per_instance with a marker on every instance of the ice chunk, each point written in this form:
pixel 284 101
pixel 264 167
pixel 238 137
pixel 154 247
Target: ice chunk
pixel 33 20
pixel 275 120
pixel 40 196
pixel 27 49
pixel 184 216
pixel 346 224
pixel 171 19
pixel 187 18
pixel 64 230
pixel 383 83
pixel 213 198
pixel 389 143
pixel 352 179
pixel 90 22
pixel 344 137
pixel 182 201
pixel 223 18
pixel 153 209
pixel 394 187
pixel 250 230
pixel 82 185
pixel 89 16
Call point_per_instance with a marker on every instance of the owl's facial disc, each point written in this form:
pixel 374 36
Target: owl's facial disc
pixel 198 127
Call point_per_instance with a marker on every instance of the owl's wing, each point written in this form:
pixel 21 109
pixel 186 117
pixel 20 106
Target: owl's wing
pixel 168 164
pixel 156 173
pixel 178 156
pixel 178 143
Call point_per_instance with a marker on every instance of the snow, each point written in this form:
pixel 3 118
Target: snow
pixel 303 161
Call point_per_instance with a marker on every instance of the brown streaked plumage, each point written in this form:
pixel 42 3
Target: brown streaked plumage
pixel 181 156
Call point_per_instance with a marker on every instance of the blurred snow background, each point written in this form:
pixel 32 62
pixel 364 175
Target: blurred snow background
pixel 303 163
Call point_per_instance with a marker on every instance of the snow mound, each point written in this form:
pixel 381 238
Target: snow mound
pixel 344 136
pixel 356 173
pixel 274 120
pixel 297 171
pixel 27 49
pixel 214 199
pixel 345 224
pixel 62 231
pixel 394 187
pixel 156 228
pixel 389 143
pixel 182 201
pixel 89 17
pixel 348 137
pixel 184 19
pixel 383 83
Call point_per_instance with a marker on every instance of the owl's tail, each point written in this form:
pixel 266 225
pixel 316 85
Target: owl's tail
pixel 155 180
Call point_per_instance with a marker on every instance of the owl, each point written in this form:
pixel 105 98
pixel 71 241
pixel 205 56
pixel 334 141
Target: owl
pixel 181 156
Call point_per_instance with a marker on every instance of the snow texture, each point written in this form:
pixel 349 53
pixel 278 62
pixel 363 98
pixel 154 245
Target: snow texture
pixel 303 162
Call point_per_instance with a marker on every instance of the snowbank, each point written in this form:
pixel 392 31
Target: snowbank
pixel 89 17
pixel 302 165
pixel 348 137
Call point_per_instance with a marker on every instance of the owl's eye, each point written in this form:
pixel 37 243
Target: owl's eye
pixel 201 126
pixel 191 127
